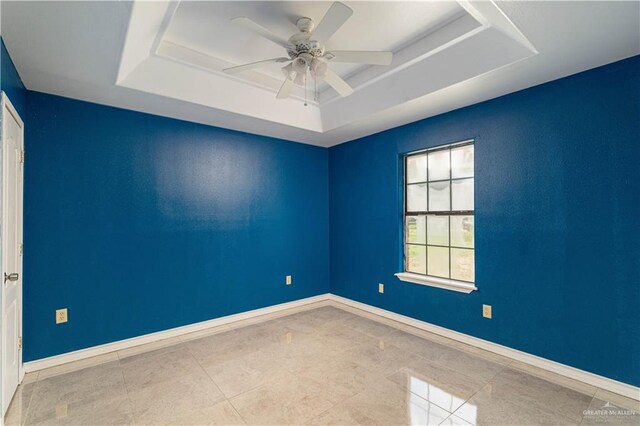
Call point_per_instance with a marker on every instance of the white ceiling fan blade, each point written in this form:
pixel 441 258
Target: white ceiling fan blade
pixel 285 89
pixel 337 83
pixel 337 15
pixel 361 57
pixel 248 23
pixel 252 65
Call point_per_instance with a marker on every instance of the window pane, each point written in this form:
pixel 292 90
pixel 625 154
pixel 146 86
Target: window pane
pixel 462 265
pixel 462 162
pixel 462 193
pixel 439 165
pixel 416 257
pixel 417 197
pixel 438 230
pixel 462 231
pixel 417 168
pixel 438 261
pixel 439 196
pixel 415 230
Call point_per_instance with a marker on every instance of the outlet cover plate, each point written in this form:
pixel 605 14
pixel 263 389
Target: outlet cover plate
pixel 61 316
pixel 486 311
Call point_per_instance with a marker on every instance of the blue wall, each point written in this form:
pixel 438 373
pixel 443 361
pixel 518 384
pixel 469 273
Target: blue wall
pixel 11 83
pixel 557 230
pixel 139 223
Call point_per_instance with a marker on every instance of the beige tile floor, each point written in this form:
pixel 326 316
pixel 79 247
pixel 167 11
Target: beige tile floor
pixel 324 365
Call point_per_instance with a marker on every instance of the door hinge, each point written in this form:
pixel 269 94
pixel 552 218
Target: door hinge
pixel 22 156
pixel 19 343
pixel 21 249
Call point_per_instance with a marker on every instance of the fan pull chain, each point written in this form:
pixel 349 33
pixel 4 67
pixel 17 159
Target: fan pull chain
pixel 305 88
pixel 315 88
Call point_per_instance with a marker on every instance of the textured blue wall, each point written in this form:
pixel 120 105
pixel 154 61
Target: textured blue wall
pixel 557 201
pixel 139 223
pixel 11 83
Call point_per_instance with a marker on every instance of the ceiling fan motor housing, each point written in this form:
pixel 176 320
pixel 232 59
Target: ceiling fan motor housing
pixel 301 42
pixel 306 52
pixel 305 25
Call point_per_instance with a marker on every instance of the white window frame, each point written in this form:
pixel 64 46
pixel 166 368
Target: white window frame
pixel 429 280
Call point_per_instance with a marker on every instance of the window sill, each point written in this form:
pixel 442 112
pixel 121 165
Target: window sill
pixel 459 286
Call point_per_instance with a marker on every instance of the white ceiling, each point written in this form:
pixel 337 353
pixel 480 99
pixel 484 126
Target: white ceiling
pixel 206 27
pixel 166 58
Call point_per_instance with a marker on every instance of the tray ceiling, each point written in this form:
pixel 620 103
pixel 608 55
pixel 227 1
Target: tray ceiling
pixel 206 27
pixel 167 58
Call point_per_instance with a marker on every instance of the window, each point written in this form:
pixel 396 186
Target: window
pixel 439 217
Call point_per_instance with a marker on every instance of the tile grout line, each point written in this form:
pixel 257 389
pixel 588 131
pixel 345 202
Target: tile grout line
pixel 126 391
pixel 206 373
pixel 406 328
pixel 590 402
pixel 421 397
pixel 213 381
pixel 336 405
pixel 124 384
pixel 496 375
pixel 401 327
pixel 124 380
pixel 283 367
pixel 552 379
pixel 394 323
pixel 26 411
pixel 351 306
pixel 236 410
pixel 380 338
pixel 502 367
pixel 478 391
pixel 593 398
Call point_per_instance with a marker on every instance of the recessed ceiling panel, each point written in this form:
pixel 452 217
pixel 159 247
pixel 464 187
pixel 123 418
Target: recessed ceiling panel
pixel 206 27
pixel 195 41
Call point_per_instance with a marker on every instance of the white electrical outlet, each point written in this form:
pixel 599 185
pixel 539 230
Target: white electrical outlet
pixel 380 288
pixel 486 311
pixel 61 316
pixel 288 280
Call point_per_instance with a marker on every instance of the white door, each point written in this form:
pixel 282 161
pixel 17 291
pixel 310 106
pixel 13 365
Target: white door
pixel 12 165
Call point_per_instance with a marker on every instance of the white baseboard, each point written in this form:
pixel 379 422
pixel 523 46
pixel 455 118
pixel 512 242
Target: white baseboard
pixel 81 354
pixel 605 383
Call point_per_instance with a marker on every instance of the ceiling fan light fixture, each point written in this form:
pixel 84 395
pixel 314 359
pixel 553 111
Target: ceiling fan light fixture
pixel 306 50
pixel 300 64
pixel 318 68
pixel 288 71
pixel 299 80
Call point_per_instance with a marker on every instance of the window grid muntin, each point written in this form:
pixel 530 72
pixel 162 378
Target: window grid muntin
pixel 439 212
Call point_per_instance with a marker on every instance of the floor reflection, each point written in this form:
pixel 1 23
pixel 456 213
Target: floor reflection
pixel 420 390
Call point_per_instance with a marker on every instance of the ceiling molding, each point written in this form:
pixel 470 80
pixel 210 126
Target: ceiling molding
pixel 166 58
pixel 376 88
pixel 193 58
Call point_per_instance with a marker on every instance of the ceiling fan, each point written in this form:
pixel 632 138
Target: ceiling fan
pixel 307 54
